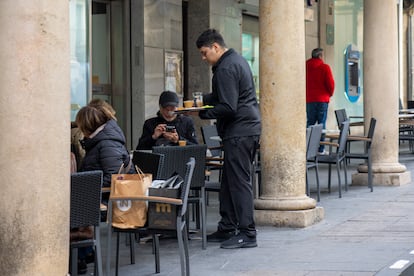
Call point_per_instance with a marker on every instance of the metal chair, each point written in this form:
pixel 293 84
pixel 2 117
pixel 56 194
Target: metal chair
pixel 338 157
pixel 214 146
pixel 366 155
pixel 172 164
pixel 85 201
pixel 315 133
pixel 181 224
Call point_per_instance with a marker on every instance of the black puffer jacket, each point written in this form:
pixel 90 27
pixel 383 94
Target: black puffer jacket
pixel 106 151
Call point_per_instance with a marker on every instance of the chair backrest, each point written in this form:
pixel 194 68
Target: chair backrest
pixel 370 133
pixel 85 198
pixel 175 158
pixel 341 117
pixel 207 132
pixel 308 132
pixel 314 140
pixel 371 129
pixel 343 136
pixel 185 187
pixel 149 162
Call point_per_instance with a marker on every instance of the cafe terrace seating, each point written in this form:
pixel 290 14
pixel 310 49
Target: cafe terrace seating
pixel 173 163
pixel 181 223
pixel 314 134
pixel 337 157
pixel 342 116
pixel 366 153
pixel 214 160
pixel 85 200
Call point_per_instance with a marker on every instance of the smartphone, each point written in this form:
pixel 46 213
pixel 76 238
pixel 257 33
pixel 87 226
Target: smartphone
pixel 169 128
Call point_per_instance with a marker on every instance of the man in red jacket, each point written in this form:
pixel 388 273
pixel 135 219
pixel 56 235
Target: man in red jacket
pixel 320 87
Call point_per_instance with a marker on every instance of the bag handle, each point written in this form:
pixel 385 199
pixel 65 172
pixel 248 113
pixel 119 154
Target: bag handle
pixel 140 172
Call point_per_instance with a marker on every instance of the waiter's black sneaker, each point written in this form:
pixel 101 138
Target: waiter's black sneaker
pixel 220 236
pixel 240 240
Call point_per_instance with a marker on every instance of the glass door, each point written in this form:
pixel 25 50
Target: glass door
pixel 79 54
pixel 109 56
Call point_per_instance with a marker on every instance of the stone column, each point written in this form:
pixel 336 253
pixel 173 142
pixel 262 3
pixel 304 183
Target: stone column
pixel 283 201
pixel 381 93
pixel 35 137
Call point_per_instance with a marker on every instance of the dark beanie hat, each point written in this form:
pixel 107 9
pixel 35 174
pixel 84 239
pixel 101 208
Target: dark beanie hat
pixel 168 98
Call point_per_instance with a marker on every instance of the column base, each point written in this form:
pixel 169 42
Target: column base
pixel 382 179
pixel 383 174
pixel 294 219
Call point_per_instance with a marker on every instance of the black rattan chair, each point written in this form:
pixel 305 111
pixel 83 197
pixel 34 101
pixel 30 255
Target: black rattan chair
pixel 149 162
pixel 173 163
pixel 85 201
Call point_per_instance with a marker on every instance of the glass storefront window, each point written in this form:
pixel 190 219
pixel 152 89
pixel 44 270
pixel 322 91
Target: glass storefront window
pixel 79 54
pixel 250 51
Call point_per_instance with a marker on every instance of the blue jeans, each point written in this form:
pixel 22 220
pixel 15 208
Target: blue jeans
pixel 316 114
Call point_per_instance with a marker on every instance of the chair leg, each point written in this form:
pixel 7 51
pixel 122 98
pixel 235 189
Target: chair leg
pixel 187 258
pixel 203 218
pixel 318 190
pixel 132 248
pixel 74 261
pixel 307 183
pixel 117 254
pixel 370 185
pixel 338 167
pixel 346 174
pixel 156 242
pixel 329 178
pixel 180 237
pixel 108 252
pixel 198 211
pixel 98 254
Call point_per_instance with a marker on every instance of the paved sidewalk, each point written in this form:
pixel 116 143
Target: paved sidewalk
pixel 363 233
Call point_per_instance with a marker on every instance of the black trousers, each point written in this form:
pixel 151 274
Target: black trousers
pixel 236 193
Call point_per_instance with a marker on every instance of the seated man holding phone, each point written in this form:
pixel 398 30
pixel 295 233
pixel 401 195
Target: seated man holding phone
pixel 168 127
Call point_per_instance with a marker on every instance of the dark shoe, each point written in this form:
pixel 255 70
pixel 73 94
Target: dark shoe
pixel 82 267
pixel 240 240
pixel 219 236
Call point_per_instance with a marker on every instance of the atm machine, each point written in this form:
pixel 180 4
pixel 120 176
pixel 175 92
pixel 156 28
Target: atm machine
pixel 352 83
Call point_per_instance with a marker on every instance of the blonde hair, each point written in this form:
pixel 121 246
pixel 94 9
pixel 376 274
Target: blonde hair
pixel 105 107
pixel 89 118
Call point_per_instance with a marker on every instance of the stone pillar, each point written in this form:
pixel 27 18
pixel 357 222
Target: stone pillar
pixel 283 201
pixel 35 137
pixel 381 93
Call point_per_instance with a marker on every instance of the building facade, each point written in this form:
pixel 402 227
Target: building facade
pixel 128 51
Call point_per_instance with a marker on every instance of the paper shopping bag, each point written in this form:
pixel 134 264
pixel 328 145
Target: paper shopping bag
pixel 127 213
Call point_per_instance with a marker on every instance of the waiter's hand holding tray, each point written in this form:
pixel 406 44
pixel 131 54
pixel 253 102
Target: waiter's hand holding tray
pixel 192 109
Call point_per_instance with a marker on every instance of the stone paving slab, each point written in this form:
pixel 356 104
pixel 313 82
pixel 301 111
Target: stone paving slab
pixel 362 234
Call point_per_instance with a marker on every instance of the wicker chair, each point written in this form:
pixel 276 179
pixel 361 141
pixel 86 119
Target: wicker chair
pixel 173 163
pixel 85 200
